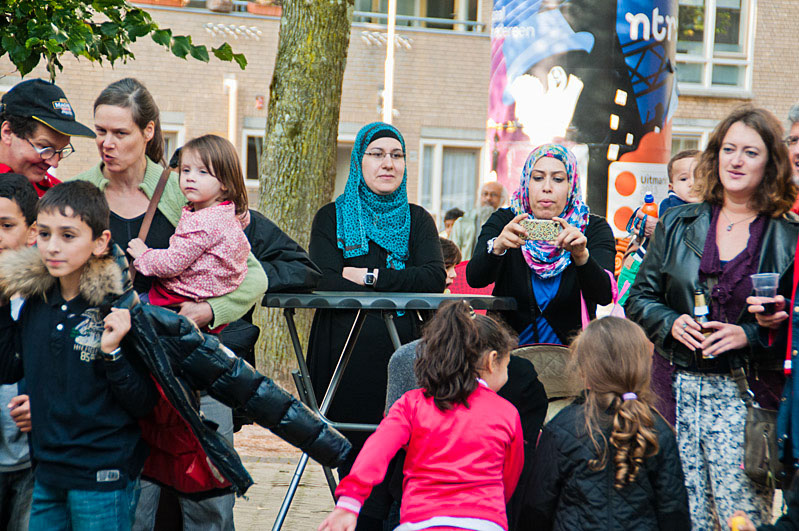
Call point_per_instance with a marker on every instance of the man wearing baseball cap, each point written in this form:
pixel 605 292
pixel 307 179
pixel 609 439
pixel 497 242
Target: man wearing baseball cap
pixel 36 123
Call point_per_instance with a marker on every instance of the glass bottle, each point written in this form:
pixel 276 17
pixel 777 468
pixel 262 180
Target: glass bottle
pixel 701 312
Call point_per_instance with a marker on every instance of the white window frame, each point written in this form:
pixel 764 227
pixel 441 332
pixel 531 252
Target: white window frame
pixel 438 164
pixel 701 127
pixel 690 130
pixel 177 129
pixel 708 58
pixel 245 133
pixel 343 138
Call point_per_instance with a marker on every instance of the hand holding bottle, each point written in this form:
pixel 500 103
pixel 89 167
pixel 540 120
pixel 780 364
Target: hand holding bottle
pixel 687 331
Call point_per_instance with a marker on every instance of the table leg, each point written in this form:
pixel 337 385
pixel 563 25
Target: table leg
pixel 304 374
pixel 388 317
pixel 295 482
pixel 349 345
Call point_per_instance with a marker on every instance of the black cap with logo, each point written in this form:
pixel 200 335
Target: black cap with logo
pixel 46 103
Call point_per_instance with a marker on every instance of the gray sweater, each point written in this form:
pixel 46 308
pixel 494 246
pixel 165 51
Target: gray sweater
pixel 401 377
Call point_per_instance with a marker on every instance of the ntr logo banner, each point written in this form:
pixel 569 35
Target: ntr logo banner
pixel 594 75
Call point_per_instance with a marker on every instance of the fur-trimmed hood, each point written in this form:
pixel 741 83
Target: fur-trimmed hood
pixel 23 272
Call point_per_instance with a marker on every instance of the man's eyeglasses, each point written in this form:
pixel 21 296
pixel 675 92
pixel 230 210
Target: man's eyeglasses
pixel 380 155
pixel 49 152
pixel 791 141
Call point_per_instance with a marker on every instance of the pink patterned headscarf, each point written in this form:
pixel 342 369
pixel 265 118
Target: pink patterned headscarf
pixel 543 257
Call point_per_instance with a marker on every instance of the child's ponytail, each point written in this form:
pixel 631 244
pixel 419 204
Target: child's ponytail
pixel 633 436
pixel 614 357
pixel 453 344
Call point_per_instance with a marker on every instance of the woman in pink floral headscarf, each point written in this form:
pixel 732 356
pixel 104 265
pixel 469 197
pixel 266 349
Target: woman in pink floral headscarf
pixel 546 277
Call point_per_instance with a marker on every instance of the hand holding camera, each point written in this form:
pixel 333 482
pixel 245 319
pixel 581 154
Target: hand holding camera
pixel 556 230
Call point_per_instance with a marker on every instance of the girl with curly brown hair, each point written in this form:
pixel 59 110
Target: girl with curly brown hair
pixel 609 461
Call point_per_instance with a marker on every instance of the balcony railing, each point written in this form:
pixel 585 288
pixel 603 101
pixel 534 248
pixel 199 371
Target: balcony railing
pixel 240 6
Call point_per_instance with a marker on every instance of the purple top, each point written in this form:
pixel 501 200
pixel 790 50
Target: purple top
pixel 728 296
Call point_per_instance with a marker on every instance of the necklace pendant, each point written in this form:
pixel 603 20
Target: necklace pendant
pixel 729 227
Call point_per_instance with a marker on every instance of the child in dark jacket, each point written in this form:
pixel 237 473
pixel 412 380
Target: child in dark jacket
pixel 86 395
pixel 609 461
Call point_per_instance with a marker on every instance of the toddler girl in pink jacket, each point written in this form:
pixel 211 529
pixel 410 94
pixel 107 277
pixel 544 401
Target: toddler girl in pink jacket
pixel 207 254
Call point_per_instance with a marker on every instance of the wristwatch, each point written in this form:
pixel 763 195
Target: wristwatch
pixel 491 247
pixel 370 277
pixel 114 355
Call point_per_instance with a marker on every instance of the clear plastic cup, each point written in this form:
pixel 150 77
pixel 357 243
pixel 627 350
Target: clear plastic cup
pixel 765 285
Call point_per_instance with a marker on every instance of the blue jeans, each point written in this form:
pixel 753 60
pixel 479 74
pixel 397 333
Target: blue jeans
pixel 57 509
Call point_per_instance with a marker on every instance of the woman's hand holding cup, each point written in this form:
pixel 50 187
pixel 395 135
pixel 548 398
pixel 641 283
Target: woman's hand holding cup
pixel 511 237
pixel 766 304
pixel 766 320
pixel 765 287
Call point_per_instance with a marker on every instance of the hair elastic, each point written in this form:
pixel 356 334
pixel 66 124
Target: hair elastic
pixel 629 396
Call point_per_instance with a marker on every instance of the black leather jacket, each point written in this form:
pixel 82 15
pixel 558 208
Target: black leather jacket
pixel 665 284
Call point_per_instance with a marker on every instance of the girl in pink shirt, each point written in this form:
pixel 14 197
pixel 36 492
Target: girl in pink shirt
pixel 207 254
pixel 464 442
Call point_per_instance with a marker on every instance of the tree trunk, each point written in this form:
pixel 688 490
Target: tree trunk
pixel 297 172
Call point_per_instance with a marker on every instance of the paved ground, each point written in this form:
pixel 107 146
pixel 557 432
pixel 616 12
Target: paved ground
pixel 271 462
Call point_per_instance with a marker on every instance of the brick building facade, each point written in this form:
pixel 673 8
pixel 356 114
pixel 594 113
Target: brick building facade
pixel 441 82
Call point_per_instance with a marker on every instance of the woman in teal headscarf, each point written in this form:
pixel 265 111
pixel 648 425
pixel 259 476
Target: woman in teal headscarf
pixel 370 239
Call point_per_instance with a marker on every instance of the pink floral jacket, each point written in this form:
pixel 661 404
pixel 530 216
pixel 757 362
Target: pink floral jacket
pixel 207 255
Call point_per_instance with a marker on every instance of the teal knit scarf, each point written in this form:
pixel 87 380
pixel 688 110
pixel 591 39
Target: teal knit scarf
pixel 362 215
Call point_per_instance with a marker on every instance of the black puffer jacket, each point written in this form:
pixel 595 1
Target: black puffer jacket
pixel 570 496
pixel 182 359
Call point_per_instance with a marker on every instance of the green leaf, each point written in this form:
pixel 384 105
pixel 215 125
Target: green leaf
pixel 181 46
pixel 138 30
pixel 52 46
pixel 224 52
pixel 162 37
pixel 19 54
pixel 109 29
pixel 200 53
pixel 240 60
pixel 28 64
pixel 8 43
pixel 99 30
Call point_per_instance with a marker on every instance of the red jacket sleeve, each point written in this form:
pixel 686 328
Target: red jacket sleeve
pixel 370 466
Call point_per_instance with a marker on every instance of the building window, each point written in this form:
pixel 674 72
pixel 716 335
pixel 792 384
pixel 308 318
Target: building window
pixel 172 141
pixel 255 148
pixel 174 132
pixel 714 48
pixel 253 140
pixel 252 147
pixel 689 137
pixel 449 176
pixel 433 14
